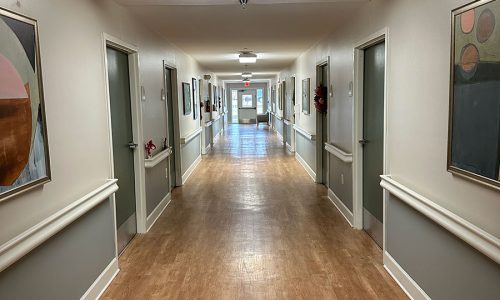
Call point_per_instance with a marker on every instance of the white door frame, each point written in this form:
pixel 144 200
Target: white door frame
pixel 176 121
pixel 357 170
pixel 319 144
pixel 137 128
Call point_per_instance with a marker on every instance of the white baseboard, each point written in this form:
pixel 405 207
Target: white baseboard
pixel 280 137
pixel 191 169
pixel 289 147
pixel 348 215
pixel 151 219
pixel 304 164
pixel 102 282
pixel 409 286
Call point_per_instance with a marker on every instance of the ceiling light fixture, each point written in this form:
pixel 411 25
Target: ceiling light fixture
pixel 244 3
pixel 247 57
pixel 246 75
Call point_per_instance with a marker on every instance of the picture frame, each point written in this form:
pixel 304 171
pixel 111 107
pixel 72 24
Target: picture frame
pixel 306 96
pixel 25 163
pixel 474 105
pixel 186 96
pixel 195 98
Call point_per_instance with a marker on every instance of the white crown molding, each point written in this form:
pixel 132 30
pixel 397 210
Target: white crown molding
pixel 191 136
pixel 158 158
pixel 483 241
pixel 309 136
pixel 19 246
pixel 339 153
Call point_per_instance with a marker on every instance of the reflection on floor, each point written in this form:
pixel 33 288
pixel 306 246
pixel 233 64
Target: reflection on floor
pixel 250 224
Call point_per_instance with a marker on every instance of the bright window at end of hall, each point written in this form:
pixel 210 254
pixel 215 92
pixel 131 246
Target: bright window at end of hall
pixel 260 101
pixel 247 101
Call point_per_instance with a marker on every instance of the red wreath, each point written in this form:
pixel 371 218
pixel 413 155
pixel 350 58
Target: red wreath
pixel 320 99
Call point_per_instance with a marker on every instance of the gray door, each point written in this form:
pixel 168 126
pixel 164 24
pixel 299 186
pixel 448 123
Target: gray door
pixel 170 124
pixel 373 141
pixel 324 131
pixel 123 145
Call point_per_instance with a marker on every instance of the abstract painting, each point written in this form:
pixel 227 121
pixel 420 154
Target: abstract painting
pixel 474 125
pixel 195 98
pixel 24 155
pixel 306 96
pixel 186 96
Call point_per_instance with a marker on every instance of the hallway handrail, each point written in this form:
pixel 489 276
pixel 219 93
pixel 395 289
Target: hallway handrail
pixel 158 158
pixel 303 132
pixel 339 153
pixel 478 238
pixel 19 246
pixel 188 138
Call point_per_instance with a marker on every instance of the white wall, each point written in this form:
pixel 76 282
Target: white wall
pixel 74 82
pixel 418 78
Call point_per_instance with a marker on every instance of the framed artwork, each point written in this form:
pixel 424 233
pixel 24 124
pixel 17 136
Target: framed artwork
pixel 24 158
pixel 474 119
pixel 306 96
pixel 195 98
pixel 186 96
pixel 290 99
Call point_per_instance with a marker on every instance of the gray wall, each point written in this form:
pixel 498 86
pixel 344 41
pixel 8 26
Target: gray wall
pixel 279 126
pixel 343 191
pixel 306 149
pixel 157 185
pixel 288 134
pixel 190 152
pixel 443 265
pixel 65 266
pixel 217 126
pixel 207 135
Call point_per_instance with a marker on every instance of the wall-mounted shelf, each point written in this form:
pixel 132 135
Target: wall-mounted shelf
pixel 339 153
pixel 158 158
pixel 309 136
pixel 191 136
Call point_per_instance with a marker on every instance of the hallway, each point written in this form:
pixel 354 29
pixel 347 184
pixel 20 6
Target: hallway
pixel 251 224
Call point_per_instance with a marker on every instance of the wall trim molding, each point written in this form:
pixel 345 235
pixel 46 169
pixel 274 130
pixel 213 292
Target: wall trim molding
pixel 191 169
pixel 191 136
pixel 207 149
pixel 158 158
pixel 304 164
pixel 344 210
pixel 483 241
pixel 102 282
pixel 289 148
pixel 208 124
pixel 158 211
pixel 24 243
pixel 305 133
pixel 407 284
pixel 287 122
pixel 339 153
pixel 278 117
pixel 280 137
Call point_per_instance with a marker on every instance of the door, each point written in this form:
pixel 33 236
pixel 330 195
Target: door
pixel 123 145
pixel 373 140
pixel 170 125
pixel 324 131
pixel 247 106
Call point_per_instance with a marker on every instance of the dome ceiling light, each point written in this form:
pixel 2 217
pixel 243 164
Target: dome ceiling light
pixel 246 75
pixel 247 57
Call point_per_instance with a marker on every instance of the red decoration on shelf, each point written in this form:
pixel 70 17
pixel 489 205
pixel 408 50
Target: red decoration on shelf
pixel 320 99
pixel 150 146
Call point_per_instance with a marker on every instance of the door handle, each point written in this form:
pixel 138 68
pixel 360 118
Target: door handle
pixel 363 142
pixel 132 145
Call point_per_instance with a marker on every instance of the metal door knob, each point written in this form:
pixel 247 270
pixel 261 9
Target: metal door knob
pixel 363 142
pixel 132 145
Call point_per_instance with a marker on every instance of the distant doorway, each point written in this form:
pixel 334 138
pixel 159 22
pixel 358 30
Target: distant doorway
pixel 322 79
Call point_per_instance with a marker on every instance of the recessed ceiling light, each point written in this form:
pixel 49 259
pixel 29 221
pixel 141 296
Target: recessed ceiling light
pixel 248 58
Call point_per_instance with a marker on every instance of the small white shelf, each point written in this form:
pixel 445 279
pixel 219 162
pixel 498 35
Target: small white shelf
pixel 191 136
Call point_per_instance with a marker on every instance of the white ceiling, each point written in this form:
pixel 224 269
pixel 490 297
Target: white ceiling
pixel 213 31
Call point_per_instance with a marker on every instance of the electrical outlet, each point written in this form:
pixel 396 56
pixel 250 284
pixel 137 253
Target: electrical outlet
pixel 342 178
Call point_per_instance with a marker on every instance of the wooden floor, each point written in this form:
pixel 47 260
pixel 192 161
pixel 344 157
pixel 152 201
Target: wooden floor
pixel 251 224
